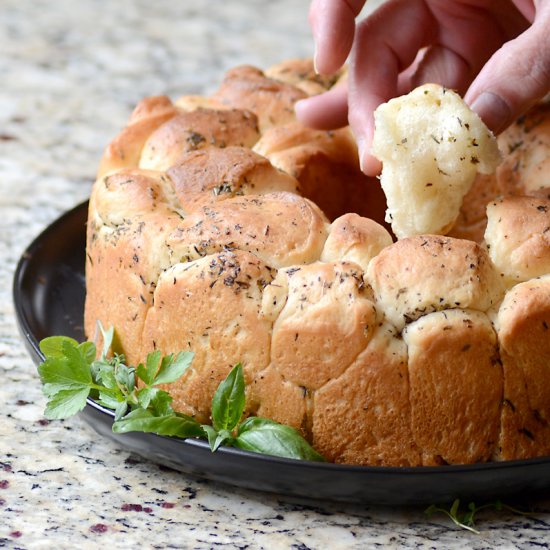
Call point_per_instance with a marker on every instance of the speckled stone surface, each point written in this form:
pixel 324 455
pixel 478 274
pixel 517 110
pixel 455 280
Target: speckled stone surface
pixel 70 73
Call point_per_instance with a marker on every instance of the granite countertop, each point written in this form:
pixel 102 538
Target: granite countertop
pixel 71 73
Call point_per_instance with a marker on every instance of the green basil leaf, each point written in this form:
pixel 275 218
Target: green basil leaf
pixel 223 437
pixel 254 423
pixel 215 439
pixel 268 437
pixel 107 399
pixel 105 375
pixel 121 410
pixel 52 346
pixel 88 351
pixel 107 336
pixel 125 376
pixel 172 368
pixel 228 401
pixel 147 373
pixel 66 403
pixel 211 435
pixel 141 420
pixel 68 371
pixel 145 395
pixel 160 403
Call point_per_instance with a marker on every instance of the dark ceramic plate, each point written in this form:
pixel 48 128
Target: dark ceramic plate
pixel 49 299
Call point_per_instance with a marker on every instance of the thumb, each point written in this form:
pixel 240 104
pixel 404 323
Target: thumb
pixel 514 78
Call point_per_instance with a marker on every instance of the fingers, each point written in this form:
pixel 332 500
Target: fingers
pixel 333 26
pixel 514 78
pixel 383 48
pixel 325 111
pixel 526 8
pixel 444 66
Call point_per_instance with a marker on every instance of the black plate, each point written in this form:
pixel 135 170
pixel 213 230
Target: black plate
pixel 49 294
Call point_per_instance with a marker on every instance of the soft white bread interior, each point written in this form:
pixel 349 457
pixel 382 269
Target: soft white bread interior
pixel 431 146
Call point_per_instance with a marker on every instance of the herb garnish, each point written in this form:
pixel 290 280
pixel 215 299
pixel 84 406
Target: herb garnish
pixel 71 373
pixel 466 519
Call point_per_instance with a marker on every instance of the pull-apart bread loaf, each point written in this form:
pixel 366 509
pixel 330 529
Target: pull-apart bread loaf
pixel 220 225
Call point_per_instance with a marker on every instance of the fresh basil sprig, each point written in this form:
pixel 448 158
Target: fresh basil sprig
pixel 71 373
pixel 256 434
pixel 466 519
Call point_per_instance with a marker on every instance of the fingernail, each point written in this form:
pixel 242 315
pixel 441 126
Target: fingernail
pixel 315 61
pixel 298 107
pixel 493 110
pixel 361 151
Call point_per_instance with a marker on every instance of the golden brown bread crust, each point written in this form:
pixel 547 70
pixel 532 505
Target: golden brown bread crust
pixel 130 217
pixel 524 335
pixel 193 130
pixel 378 352
pixel 420 275
pixel 525 168
pixel 125 150
pixel 301 73
pixel 284 146
pixel 216 301
pixel 455 386
pixel 364 416
pixel 247 87
pixel 271 396
pixel 355 239
pixel 212 174
pixel 518 237
pixel 280 228
pixel 325 163
pixel 326 304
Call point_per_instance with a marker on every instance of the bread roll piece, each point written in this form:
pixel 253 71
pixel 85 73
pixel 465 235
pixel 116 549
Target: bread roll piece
pixel 326 304
pixel 419 275
pixel 194 102
pixel 431 146
pixel 518 237
pixel 280 228
pixel 526 145
pixel 272 396
pixel 353 238
pixel 193 130
pixel 364 415
pixel 214 174
pixel 210 307
pixel 524 334
pixel 195 241
pixel 125 150
pixel 130 218
pixel 247 87
pixel 456 386
pixel 301 73
pixel 524 171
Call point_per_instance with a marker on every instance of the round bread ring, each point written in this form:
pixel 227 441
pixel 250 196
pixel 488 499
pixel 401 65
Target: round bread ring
pixel 218 224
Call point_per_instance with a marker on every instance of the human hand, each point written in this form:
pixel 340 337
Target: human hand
pixel 496 52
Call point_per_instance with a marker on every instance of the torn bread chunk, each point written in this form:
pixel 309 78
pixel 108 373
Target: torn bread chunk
pixel 432 146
